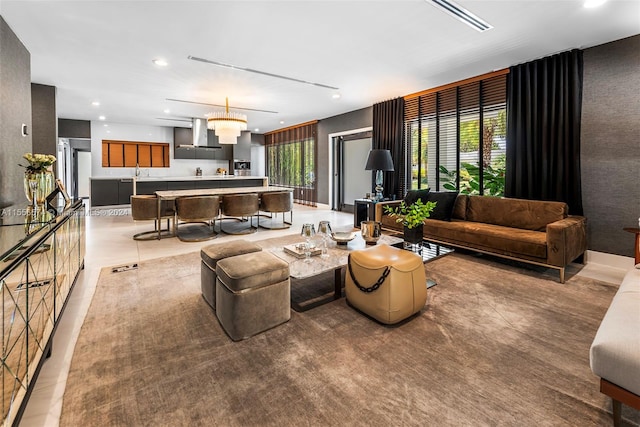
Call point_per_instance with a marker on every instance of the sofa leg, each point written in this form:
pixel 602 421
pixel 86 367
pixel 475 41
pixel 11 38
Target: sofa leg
pixel 617 412
pixel 562 275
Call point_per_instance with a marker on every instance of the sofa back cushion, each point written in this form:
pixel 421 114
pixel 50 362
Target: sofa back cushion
pixel 413 195
pixel 518 213
pixel 445 202
pixel 460 207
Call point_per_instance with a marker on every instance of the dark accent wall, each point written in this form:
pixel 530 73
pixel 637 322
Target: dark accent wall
pixel 15 109
pixel 44 118
pixel 68 128
pixel 610 144
pixel 344 122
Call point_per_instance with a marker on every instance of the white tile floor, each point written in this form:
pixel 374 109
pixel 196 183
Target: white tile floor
pixel 109 243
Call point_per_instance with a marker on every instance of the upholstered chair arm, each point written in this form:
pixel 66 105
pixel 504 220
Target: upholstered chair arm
pixel 380 208
pixel 566 240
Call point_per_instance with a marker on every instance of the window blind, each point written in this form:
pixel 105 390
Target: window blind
pixel 449 148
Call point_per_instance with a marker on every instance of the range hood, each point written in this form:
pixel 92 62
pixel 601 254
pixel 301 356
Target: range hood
pixel 200 138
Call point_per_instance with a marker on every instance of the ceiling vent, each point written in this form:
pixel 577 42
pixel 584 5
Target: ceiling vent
pixel 461 14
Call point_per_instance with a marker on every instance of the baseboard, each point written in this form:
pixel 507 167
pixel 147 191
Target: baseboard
pixel 610 260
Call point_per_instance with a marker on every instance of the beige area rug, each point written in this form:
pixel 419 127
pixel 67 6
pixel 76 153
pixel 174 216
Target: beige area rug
pixel 495 345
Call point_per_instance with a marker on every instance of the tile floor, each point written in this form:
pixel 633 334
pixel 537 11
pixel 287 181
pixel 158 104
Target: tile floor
pixel 109 243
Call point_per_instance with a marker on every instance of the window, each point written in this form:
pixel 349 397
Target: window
pixel 443 135
pixel 291 161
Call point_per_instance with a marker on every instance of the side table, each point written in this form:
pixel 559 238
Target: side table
pixel 636 231
pixel 363 210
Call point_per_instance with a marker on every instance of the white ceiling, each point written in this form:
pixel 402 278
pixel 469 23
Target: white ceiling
pixel 370 50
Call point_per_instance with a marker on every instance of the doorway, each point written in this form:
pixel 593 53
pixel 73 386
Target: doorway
pixel 350 179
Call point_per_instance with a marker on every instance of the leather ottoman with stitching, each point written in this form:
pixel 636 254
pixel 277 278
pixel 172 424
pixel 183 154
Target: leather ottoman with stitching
pixel 253 294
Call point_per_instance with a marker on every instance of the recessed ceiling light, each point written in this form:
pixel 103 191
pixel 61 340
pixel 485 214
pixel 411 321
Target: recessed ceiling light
pixel 102 118
pixel 167 111
pixel 589 4
pixel 281 122
pixel 105 125
pixel 336 96
pixel 256 130
pixel 160 62
pixel 95 103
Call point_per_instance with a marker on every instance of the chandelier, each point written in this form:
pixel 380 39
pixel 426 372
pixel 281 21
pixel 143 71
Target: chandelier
pixel 227 126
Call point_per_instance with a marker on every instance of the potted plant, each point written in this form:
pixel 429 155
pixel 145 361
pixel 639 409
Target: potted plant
pixel 411 217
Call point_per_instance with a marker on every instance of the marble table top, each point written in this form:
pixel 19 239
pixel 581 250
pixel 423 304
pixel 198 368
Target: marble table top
pixel 172 194
pixel 337 254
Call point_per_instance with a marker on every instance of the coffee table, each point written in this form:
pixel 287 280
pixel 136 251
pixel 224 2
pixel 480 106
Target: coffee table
pixel 335 261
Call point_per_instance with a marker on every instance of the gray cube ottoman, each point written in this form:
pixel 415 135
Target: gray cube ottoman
pixel 210 255
pixel 253 294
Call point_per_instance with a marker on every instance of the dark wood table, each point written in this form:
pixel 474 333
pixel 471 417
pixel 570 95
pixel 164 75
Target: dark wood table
pixel 636 231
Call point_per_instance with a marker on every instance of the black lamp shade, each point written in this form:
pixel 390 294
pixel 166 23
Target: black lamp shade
pixel 379 160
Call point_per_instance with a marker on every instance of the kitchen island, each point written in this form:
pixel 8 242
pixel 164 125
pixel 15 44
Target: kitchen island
pixel 113 191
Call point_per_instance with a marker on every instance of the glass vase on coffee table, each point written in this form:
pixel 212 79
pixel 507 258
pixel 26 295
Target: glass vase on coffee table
pixel 308 231
pixel 324 228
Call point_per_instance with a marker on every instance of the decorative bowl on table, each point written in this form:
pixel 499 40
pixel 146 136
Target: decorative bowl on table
pixel 343 237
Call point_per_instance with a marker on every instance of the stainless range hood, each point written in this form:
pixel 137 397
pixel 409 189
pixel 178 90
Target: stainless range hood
pixel 199 135
pixel 199 129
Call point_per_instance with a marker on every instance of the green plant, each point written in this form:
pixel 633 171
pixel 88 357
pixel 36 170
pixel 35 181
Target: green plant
pixel 411 216
pixel 493 179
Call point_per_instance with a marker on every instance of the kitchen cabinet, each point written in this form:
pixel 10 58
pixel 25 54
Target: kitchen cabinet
pixel 104 192
pixel 225 153
pixel 184 153
pixel 181 185
pixel 183 147
pixel 125 190
pixel 205 153
pixel 150 187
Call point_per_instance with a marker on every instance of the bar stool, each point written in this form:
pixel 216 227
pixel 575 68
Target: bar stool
pixel 238 206
pixel 277 202
pixel 197 209
pixel 145 208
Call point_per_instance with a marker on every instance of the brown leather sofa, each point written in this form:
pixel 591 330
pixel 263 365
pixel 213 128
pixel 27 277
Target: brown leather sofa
pixel 536 232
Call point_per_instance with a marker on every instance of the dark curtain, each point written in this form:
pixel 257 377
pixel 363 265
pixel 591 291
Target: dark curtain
pixel 388 125
pixel 544 101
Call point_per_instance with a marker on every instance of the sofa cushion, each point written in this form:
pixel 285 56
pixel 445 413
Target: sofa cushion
pixel 460 207
pixel 413 195
pixel 445 202
pixel 492 238
pixel 615 351
pixel 516 213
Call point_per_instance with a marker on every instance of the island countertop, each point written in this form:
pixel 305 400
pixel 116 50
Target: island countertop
pixel 180 178
pixel 117 190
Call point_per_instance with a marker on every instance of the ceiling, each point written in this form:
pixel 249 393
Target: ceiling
pixel 370 50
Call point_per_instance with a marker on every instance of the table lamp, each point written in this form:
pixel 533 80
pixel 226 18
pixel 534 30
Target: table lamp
pixel 379 161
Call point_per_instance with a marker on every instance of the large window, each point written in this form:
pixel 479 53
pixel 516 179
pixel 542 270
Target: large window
pixel 291 161
pixel 448 147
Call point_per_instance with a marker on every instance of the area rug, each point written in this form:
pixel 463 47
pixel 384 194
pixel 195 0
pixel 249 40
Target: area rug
pixel 496 344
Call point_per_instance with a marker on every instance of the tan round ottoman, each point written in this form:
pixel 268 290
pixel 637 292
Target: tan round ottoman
pixel 386 283
pixel 253 294
pixel 210 255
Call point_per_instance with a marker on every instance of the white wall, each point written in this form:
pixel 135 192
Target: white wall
pixel 84 172
pixel 258 160
pixel 142 133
